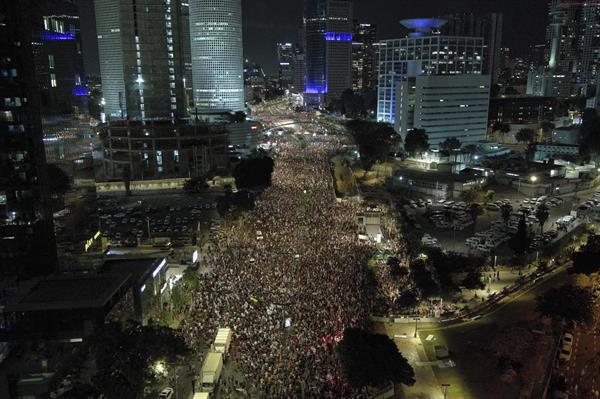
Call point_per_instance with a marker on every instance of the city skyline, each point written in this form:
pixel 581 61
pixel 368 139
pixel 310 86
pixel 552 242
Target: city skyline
pixel 267 22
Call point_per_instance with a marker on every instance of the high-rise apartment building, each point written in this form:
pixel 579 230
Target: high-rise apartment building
pixel 328 29
pixel 217 54
pixel 285 58
pixel 424 52
pixel 27 245
pixel 489 27
pixel 141 47
pixel 364 63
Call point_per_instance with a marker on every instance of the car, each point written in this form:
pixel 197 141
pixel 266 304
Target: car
pixel 166 393
pixel 441 351
pixel 565 354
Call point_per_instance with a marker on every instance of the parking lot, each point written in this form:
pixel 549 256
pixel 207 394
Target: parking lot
pixel 451 224
pixel 181 218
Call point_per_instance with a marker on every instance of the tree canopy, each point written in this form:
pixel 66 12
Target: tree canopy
pixel 125 354
pixel 254 172
pixel 525 135
pixel 587 259
pixel 542 213
pixel 521 240
pixel 373 139
pixel 450 144
pixel 352 105
pixel 567 303
pixel 59 181
pixel 372 360
pixel 416 141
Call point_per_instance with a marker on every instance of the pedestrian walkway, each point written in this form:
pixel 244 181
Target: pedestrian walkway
pixel 426 385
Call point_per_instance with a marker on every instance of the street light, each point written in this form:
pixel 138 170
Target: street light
pixel 533 179
pixel 416 319
pixel 445 386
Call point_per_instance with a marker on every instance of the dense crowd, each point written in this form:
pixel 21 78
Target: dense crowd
pixel 289 291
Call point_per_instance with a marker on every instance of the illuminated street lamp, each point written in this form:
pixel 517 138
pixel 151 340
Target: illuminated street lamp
pixel 445 386
pixel 533 179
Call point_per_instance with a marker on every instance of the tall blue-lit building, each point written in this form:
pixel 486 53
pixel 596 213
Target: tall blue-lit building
pixel 328 29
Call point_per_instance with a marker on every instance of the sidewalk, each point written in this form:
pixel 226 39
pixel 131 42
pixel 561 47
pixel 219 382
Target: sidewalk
pixel 426 385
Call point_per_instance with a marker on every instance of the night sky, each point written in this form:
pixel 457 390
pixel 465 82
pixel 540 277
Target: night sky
pixel 268 21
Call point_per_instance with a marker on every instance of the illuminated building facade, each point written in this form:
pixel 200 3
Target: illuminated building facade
pixel 27 244
pixel 142 58
pixel 285 58
pixel 217 54
pixel 424 52
pixel 364 62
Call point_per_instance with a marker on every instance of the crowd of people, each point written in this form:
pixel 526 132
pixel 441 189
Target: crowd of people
pixel 287 278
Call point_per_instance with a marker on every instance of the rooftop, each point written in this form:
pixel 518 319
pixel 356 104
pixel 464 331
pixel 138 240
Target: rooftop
pixel 139 268
pixel 68 292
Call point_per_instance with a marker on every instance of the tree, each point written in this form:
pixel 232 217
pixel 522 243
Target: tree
pixel 489 196
pixel 472 281
pixel 506 211
pixel 521 240
pixel 471 148
pixel 239 116
pixel 501 127
pixel 450 144
pixel 525 135
pixel 566 303
pixel 587 259
pixel 475 211
pixel 372 360
pixel 195 185
pixel 374 140
pixel 352 105
pixel 542 213
pixel 468 196
pixel 59 181
pixel 396 270
pixel 416 142
pixel 254 172
pixel 409 299
pixel 125 354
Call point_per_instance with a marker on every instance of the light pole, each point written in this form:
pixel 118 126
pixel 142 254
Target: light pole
pixel 445 386
pixel 416 319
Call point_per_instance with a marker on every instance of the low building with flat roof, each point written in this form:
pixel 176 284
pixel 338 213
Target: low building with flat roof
pixel 62 306
pixel 436 184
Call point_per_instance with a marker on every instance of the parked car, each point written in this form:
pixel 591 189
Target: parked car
pixel 166 393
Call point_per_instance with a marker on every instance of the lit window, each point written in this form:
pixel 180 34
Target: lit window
pixel 50 61
pixel 53 80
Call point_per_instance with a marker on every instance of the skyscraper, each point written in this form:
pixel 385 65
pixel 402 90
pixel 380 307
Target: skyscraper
pixel 141 47
pixel 27 245
pixel 364 63
pixel 285 58
pixel 58 57
pixel 489 27
pixel 217 54
pixel 328 31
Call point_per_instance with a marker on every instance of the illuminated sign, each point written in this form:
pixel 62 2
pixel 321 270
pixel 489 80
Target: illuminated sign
pixel 80 91
pixel 91 241
pixel 53 36
pixel 338 36
pixel 195 256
